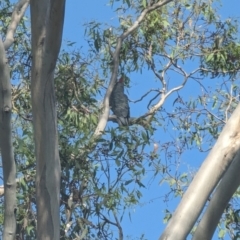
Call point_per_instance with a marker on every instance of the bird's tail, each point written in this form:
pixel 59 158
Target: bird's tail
pixel 123 121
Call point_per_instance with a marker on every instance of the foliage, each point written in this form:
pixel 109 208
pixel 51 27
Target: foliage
pixel 223 55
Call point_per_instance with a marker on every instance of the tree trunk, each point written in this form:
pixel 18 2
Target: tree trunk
pixel 9 167
pixel 221 197
pixel 47 17
pixel 216 164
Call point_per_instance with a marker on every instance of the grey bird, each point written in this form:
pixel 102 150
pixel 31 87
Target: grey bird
pixel 119 103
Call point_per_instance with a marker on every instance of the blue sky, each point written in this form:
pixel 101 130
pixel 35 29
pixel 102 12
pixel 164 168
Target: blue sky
pixel 147 218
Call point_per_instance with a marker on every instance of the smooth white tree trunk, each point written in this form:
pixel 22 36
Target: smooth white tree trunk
pixel 219 201
pixel 212 170
pixel 47 17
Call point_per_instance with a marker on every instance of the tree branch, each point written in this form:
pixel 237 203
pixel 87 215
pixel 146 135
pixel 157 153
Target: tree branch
pixel 106 109
pixel 17 15
pixel 118 226
pixel 144 95
pixel 142 16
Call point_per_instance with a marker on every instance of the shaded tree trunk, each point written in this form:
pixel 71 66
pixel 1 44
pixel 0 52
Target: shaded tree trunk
pixel 47 17
pixel 6 145
pixel 9 167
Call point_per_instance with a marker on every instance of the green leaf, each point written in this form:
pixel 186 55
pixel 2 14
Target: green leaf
pixel 222 233
pixel 128 182
pixel 117 162
pixel 210 57
pixel 144 3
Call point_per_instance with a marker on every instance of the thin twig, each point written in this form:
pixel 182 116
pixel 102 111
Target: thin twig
pixel 118 226
pixel 143 96
pixel 229 104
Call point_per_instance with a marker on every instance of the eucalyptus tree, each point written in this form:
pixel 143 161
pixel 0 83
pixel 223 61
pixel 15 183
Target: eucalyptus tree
pixel 103 166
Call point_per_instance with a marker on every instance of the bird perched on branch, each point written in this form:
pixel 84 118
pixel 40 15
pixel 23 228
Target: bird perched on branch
pixel 119 103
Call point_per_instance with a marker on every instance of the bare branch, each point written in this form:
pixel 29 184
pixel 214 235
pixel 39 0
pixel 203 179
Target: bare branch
pixel 177 88
pixel 25 178
pixel 1 191
pixel 106 109
pixel 143 96
pixel 229 104
pixel 107 220
pixel 219 71
pixel 17 15
pixel 164 96
pixel 118 226
pixel 219 119
pixel 153 99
